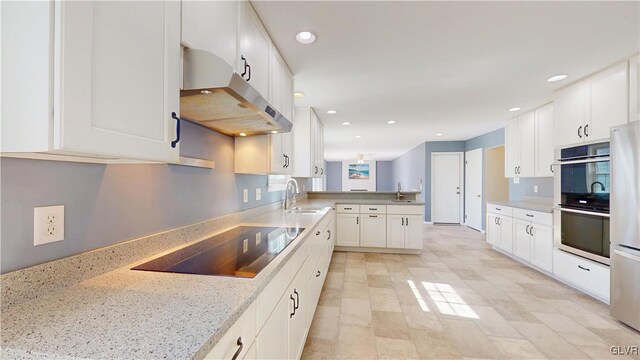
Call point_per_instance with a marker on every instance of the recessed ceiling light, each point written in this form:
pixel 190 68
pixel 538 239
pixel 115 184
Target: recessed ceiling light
pixel 358 136
pixel 242 134
pixel 298 95
pixel 439 134
pixel 514 109
pixel 346 123
pixel 557 78
pixel 391 122
pixel 305 37
pixel 331 112
pixel 274 131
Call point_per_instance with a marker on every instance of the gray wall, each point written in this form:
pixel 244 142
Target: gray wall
pixel 431 147
pixel 107 204
pixel 525 188
pixel 384 176
pixel 408 169
pixel 334 175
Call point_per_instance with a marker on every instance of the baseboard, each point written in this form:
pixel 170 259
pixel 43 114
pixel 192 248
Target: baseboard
pixel 428 223
pixel 377 250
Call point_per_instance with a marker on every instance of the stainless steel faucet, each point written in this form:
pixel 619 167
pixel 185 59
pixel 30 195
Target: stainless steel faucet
pixel 294 187
pixel 398 195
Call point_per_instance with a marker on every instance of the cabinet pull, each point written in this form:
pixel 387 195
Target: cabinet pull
pixel 529 215
pixel 318 274
pixel 373 209
pixel 296 303
pixel 402 221
pixel 348 208
pixel 584 268
pixel 495 221
pixel 329 231
pixel 294 306
pixel 373 216
pixel 175 142
pixel 580 132
pixel 318 233
pixel 288 161
pixel 551 167
pixel 316 171
pixel 407 221
pixel 527 230
pixel 240 347
pixel 586 133
pixel 321 171
pixel 499 222
pixel 531 231
pixel 357 220
pixel 499 209
pixel 244 69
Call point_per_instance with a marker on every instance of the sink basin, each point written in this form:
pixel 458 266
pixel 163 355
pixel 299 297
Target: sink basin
pixel 299 210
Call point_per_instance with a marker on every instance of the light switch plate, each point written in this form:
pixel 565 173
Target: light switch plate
pixel 535 188
pixel 258 194
pixel 516 180
pixel 48 224
pixel 245 195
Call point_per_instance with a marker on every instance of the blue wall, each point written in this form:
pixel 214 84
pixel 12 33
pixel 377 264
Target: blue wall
pixel 408 169
pixel 488 140
pixel 384 176
pixel 334 175
pixel 525 188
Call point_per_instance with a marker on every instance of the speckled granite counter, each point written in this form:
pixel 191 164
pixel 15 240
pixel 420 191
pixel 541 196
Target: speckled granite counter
pixel 542 206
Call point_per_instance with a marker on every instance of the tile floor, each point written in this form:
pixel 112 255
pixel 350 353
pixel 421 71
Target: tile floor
pixel 459 299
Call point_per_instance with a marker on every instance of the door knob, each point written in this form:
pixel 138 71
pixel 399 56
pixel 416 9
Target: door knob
pixel 478 195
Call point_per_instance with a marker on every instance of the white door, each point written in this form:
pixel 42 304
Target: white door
pixel 522 239
pixel 526 137
pixel 120 78
pixel 348 230
pixel 609 103
pixel 512 149
pixel 395 231
pixel 413 232
pixel 493 230
pixel 254 46
pixel 542 247
pixel 570 113
pixel 473 189
pixel 373 231
pixel 545 140
pixel 446 185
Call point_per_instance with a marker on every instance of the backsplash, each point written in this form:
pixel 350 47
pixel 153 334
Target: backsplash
pixel 517 192
pixel 108 204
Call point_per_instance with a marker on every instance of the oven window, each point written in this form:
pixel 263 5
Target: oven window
pixel 584 232
pixel 586 185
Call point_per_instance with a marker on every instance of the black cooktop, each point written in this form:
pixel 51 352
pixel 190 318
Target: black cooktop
pixel 241 252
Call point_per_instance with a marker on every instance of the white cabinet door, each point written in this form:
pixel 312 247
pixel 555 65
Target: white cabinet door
pixel 521 239
pixel 254 44
pixel 119 84
pixel 212 26
pixel 526 139
pixel 493 230
pixel 395 231
pixel 413 232
pixel 273 340
pixel 373 231
pixel 298 316
pixel 545 140
pixel 506 233
pixel 287 94
pixel 512 149
pixel 348 226
pixel 276 152
pixel 608 102
pixel 634 89
pixel 569 106
pixel 542 247
pixel 277 73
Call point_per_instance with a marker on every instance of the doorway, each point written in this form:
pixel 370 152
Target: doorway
pixel 473 186
pixel 447 173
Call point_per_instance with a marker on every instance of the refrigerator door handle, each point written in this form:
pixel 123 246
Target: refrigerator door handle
pixel 627 255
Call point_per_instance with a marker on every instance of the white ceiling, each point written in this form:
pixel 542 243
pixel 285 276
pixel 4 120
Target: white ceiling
pixel 439 67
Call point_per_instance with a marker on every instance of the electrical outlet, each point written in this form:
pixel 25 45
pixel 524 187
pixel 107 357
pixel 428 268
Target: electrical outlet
pixel 258 194
pixel 516 180
pixel 48 224
pixel 245 195
pixel 535 188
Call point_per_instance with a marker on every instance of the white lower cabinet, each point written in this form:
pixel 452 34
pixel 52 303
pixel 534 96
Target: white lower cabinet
pixel 373 230
pixel 348 229
pixel 237 343
pixel 506 233
pixel 298 318
pixel 585 274
pixel 404 231
pixel 522 239
pixel 273 339
pixel 542 247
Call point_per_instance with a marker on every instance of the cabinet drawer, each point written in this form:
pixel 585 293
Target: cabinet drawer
pixel 270 295
pixel 405 209
pixel 373 209
pixel 585 274
pixel 300 256
pixel 533 216
pixel 349 209
pixel 244 330
pixel 499 209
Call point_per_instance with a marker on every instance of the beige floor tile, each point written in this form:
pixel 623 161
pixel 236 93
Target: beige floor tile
pixel 570 330
pixel 395 348
pixel 384 300
pixel 334 280
pixel 469 339
pixel 380 281
pixel 512 311
pixel 355 312
pixel 355 290
pixel 373 257
pixel 418 318
pixel 516 348
pixel 319 349
pixel 493 324
pixel 356 342
pixel 325 323
pixel 374 268
pixel 390 324
pixel 330 297
pixel 548 342
pixel 355 275
pixel 432 344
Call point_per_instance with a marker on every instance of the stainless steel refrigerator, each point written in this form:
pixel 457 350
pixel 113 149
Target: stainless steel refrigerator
pixel 625 223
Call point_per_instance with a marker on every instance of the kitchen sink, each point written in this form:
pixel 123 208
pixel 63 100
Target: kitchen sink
pixel 299 210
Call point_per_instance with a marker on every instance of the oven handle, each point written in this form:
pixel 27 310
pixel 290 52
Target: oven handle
pixel 584 161
pixel 582 212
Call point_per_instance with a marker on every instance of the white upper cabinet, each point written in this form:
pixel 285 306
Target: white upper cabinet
pixel 544 140
pixel 520 146
pixel 254 48
pixel 512 148
pixel 307 144
pixel 113 88
pixel 608 102
pixel 586 111
pixel 634 89
pixel 212 26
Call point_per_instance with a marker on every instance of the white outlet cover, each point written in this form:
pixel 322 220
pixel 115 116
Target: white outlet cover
pixel 535 188
pixel 258 194
pixel 516 180
pixel 245 195
pixel 48 224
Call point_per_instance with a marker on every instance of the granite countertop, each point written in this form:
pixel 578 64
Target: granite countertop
pixel 140 314
pixel 542 206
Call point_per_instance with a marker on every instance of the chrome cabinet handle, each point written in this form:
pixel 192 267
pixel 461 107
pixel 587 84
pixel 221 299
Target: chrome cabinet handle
pixel 240 346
